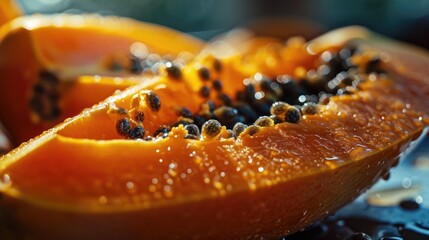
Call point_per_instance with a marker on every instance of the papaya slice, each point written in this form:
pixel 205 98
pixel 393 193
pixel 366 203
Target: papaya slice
pixel 42 57
pixel 134 166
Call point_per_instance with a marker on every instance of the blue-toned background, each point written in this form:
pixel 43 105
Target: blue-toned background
pixel 402 19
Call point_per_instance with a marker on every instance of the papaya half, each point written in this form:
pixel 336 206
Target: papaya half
pixel 9 9
pixel 43 60
pixel 224 148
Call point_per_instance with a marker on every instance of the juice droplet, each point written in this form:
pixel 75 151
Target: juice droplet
pixel 102 200
pixel 5 181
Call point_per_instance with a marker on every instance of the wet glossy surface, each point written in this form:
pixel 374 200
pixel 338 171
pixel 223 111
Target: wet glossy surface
pixel 267 184
pixel 396 209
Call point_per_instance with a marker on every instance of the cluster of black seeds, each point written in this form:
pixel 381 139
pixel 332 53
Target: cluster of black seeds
pixel 133 128
pixel 264 102
pixel 150 63
pixel 147 64
pixel 124 128
pixel 45 96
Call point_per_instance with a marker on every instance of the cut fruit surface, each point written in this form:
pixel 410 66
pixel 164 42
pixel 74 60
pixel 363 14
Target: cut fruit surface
pixel 41 58
pixel 98 175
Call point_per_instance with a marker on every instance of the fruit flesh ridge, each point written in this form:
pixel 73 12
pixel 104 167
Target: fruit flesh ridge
pixel 311 127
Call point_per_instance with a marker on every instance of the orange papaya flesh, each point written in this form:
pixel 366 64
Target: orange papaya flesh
pixel 9 9
pixel 84 87
pixel 271 56
pixel 268 184
pixel 41 57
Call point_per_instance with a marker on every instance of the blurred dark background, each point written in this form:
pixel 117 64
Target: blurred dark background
pixel 406 20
